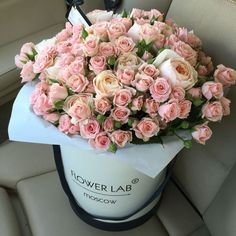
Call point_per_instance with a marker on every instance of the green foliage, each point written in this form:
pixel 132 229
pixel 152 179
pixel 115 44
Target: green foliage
pixel 84 33
pixel 59 105
pixel 111 60
pixel 101 118
pixel 117 125
pixel 112 148
pixel 188 144
pixel 142 47
pixel 124 14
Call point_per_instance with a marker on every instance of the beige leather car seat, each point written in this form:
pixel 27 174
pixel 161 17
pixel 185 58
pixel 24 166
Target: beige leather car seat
pixel 198 201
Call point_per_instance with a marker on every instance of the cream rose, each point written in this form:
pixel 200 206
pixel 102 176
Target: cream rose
pixel 128 60
pixel 179 72
pixel 106 83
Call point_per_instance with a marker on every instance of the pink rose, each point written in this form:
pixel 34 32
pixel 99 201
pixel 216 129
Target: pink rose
pixel 171 40
pixel 202 133
pixel 107 49
pixel 122 97
pixel 52 117
pixel 160 41
pixel 101 141
pixel 57 93
pixel 100 30
pixel 90 87
pixel 64 124
pixel 91 44
pixel 64 74
pixel 160 90
pixel 142 82
pixel 202 70
pixel 20 60
pixel 65 59
pixel 108 124
pixel 41 105
pixel 102 105
pixel 194 41
pixel 148 33
pixel 64 47
pixel 125 44
pixel 225 75
pixel 97 64
pixel 185 51
pixel 146 129
pixel 115 30
pixel 125 76
pixel 182 34
pixel 212 89
pixel 77 83
pixel 120 137
pixel 146 56
pixel 77 49
pixel 79 106
pixel 157 14
pixel 77 66
pixel 120 114
pixel 213 111
pixel 89 128
pixel 136 13
pixel 169 111
pixel 27 49
pixel 149 70
pixel 151 107
pixel 27 73
pixel 177 93
pixel 195 92
pixel 126 21
pixel 63 35
pixel 225 102
pixel 163 28
pixel 185 108
pixel 42 61
pixel 137 103
pixel 74 129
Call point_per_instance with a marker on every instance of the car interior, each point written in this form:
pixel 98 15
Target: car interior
pixel 199 199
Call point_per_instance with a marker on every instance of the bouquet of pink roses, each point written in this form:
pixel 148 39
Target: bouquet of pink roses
pixel 131 77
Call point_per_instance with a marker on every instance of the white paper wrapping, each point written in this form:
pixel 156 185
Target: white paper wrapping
pixel 25 126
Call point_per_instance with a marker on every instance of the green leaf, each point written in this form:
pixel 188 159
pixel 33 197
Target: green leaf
pixel 152 21
pixel 197 102
pixel 124 14
pixel 150 61
pixel 184 124
pixel 188 144
pixel 34 51
pixel 112 148
pixel 101 118
pixel 36 77
pixel 111 61
pixel 52 81
pixel 117 124
pixel 59 105
pixel 31 57
pixel 84 33
pixel 131 121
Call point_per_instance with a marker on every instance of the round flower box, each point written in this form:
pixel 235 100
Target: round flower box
pixel 106 192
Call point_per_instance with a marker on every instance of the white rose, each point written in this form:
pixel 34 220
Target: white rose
pixel 99 16
pixel 105 84
pixel 179 72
